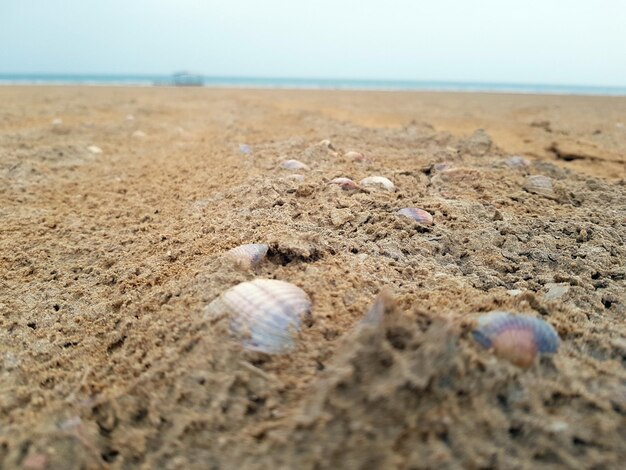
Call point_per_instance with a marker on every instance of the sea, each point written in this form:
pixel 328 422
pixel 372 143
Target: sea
pixel 306 83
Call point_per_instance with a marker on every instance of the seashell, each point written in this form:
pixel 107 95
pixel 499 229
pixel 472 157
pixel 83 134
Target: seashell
pixel 130 117
pixel 94 149
pixel 245 149
pixel 418 215
pixel 516 161
pixel 437 167
pixel 248 256
pixel 57 121
pixel 516 338
pixel 344 183
pixel 138 134
pixel 327 143
pixel 294 165
pixel 265 314
pixel 354 155
pixel 378 181
pixel 541 185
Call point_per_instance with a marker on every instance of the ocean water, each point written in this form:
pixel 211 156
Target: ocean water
pixel 309 83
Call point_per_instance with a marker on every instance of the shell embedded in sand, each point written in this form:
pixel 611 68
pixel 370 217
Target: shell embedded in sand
pixel 248 256
pixel 378 181
pixel 354 155
pixel 516 161
pixel 541 185
pixel 245 149
pixel 516 338
pixel 294 165
pixel 327 143
pixel 265 314
pixel 138 134
pixel 344 183
pixel 418 215
pixel 94 149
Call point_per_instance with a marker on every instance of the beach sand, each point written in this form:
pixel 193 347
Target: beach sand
pixel 116 208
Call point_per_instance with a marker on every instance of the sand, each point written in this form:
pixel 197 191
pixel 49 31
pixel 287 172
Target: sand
pixel 117 205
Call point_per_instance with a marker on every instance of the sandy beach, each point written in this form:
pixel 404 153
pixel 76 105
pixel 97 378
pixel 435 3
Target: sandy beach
pixel 117 206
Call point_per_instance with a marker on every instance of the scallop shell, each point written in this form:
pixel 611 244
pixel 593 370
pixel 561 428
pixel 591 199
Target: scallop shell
pixel 265 314
pixel 419 215
pixel 516 338
pixel 344 183
pixel 541 185
pixel 248 256
pixel 378 181
pixel 294 165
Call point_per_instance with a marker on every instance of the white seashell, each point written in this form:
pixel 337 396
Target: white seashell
pixel 418 215
pixel 94 149
pixel 265 314
pixel 294 165
pixel 138 134
pixel 57 121
pixel 353 155
pixel 248 256
pixel 327 143
pixel 378 181
pixel 344 183
pixel 541 185
pixel 516 161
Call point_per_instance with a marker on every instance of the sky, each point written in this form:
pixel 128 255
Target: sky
pixel 568 42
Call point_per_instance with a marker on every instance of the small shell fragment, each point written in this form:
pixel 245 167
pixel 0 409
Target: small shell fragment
pixel 265 314
pixel 418 215
pixel 245 149
pixel 516 161
pixel 378 181
pixel 541 185
pixel 344 183
pixel 327 143
pixel 516 338
pixel 94 149
pixel 138 134
pixel 249 255
pixel 294 165
pixel 354 155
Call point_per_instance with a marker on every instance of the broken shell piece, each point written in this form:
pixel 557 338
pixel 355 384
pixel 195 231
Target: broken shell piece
pixel 94 149
pixel 418 215
pixel 516 338
pixel 354 155
pixel 294 165
pixel 344 183
pixel 541 185
pixel 248 256
pixel 378 181
pixel 327 143
pixel 138 134
pixel 57 121
pixel 265 314
pixel 245 149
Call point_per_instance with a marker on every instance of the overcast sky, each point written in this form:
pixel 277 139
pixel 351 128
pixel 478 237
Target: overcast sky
pixel 580 42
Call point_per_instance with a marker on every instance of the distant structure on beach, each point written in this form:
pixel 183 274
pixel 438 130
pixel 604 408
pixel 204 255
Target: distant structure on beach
pixel 183 78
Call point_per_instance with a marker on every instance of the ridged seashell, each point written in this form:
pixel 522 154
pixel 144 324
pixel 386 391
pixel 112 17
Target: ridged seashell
pixel 378 181
pixel 541 185
pixel 354 155
pixel 344 183
pixel 516 161
pixel 516 338
pixel 418 215
pixel 294 165
pixel 245 149
pixel 94 149
pixel 248 256
pixel 265 314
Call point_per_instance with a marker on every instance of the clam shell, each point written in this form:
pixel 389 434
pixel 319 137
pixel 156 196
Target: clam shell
pixel 344 183
pixel 378 181
pixel 294 165
pixel 516 338
pixel 249 255
pixel 265 314
pixel 541 185
pixel 418 215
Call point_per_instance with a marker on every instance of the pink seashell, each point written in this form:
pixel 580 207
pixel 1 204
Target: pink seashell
pixel 418 215
pixel 248 256
pixel 294 165
pixel 354 155
pixel 516 338
pixel 344 183
pixel 378 181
